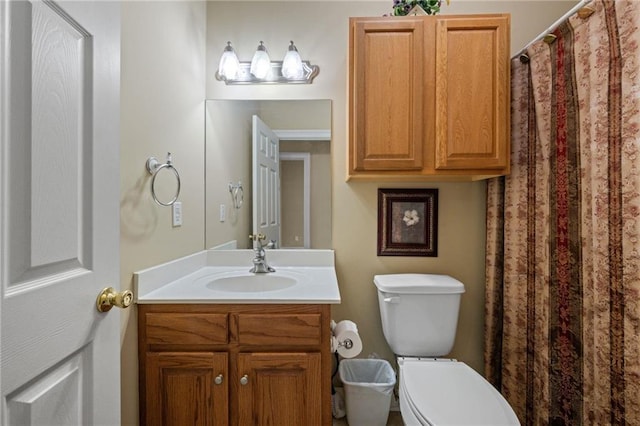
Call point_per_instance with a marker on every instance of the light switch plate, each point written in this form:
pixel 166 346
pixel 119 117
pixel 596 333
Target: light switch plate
pixel 176 209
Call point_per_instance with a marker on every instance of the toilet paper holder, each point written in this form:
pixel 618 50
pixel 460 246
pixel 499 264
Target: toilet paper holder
pixel 347 343
pixel 345 340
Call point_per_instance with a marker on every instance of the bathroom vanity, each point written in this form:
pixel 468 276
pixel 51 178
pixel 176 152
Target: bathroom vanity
pixel 220 346
pixel 234 364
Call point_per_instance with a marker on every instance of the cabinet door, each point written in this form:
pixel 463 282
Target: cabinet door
pixel 386 94
pixel 281 389
pixel 472 93
pixel 187 388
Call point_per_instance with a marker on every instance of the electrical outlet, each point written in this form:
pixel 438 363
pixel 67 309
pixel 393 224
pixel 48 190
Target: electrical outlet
pixel 223 212
pixel 176 209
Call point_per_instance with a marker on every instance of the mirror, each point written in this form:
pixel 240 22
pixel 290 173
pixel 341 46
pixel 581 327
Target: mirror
pixel 303 207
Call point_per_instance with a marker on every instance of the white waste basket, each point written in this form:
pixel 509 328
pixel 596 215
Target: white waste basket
pixel 368 387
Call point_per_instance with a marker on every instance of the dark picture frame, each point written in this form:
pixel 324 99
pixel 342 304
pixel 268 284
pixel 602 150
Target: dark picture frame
pixel 408 222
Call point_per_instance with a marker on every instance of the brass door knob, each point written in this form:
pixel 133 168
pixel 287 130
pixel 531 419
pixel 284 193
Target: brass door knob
pixel 109 297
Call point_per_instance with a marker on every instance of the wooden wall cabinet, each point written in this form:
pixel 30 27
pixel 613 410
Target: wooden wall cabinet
pixel 234 365
pixel 429 97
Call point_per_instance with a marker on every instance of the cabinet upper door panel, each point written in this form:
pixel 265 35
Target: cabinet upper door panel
pixel 472 93
pixel 386 86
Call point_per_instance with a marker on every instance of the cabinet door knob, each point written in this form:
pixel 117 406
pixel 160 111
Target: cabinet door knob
pixel 218 379
pixel 244 380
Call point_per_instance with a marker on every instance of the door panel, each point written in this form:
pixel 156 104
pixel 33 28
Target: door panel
pixel 62 387
pixel 61 89
pixel 47 170
pixel 272 375
pixel 184 391
pixel 60 358
pixel 387 95
pixel 472 94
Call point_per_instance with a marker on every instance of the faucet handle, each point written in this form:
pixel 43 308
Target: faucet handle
pixel 257 237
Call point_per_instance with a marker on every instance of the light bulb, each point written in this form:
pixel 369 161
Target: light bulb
pixel 261 63
pixel 292 63
pixel 229 63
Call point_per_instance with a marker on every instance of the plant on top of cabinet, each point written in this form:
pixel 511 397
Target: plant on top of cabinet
pixel 429 97
pixel 416 7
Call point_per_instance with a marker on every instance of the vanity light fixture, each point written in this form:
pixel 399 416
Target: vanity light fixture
pixel 261 63
pixel 292 63
pixel 229 63
pixel 262 70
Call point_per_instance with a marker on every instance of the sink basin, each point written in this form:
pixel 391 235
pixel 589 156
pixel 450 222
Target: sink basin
pixel 247 282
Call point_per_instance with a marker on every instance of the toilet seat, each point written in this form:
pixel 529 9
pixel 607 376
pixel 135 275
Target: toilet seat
pixel 438 392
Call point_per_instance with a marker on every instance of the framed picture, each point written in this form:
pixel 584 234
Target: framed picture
pixel 407 222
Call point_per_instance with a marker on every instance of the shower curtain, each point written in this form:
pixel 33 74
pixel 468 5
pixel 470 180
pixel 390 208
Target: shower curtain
pixel 563 229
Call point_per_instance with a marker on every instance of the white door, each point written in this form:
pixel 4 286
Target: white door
pixel 266 182
pixel 59 213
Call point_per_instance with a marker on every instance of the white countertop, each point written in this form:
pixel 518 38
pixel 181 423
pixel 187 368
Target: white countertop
pixel 188 279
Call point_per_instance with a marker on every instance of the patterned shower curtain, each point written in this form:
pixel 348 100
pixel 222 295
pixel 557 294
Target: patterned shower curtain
pixel 563 229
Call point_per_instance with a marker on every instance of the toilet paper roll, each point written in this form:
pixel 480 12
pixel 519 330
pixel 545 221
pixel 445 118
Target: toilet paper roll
pixel 349 342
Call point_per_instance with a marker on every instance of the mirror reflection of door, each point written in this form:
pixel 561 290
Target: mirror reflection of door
pixel 266 183
pixel 302 126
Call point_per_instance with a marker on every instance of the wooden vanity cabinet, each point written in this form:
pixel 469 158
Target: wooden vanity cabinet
pixel 429 97
pixel 282 388
pixel 181 388
pixel 240 365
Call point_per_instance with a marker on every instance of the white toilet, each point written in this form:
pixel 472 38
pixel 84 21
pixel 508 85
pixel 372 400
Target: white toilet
pixel 419 315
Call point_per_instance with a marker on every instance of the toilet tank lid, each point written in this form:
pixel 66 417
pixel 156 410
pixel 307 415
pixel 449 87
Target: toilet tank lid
pixel 418 284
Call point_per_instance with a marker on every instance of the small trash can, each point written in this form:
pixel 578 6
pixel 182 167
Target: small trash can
pixel 368 387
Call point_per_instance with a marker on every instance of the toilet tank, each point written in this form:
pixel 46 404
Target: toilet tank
pixel 419 312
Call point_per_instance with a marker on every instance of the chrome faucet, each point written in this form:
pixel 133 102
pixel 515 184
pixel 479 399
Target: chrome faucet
pixel 259 260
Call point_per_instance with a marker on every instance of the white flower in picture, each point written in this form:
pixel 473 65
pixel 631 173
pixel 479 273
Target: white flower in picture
pixel 411 217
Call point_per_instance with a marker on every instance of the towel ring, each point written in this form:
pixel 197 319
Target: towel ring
pixel 237 194
pixel 154 167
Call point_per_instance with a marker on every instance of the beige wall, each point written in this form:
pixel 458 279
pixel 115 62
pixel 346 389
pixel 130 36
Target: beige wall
pixel 163 92
pixel 320 31
pixel 162 110
pixel 229 163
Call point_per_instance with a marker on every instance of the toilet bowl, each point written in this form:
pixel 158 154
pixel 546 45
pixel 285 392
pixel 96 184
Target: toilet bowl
pixel 419 314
